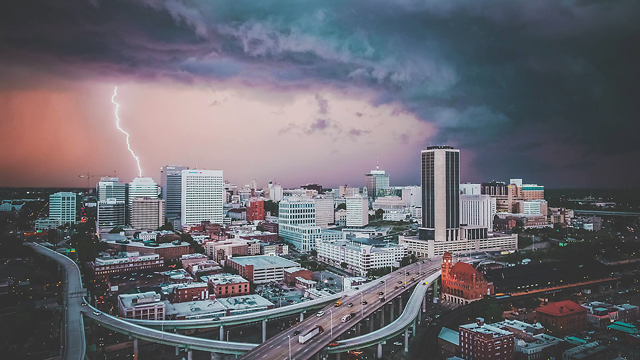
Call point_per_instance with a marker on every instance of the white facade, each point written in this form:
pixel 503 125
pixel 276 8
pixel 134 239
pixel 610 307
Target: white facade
pixel 341 217
pixel 477 210
pixel 110 188
pixel 202 196
pixel 297 222
pixel 324 211
pixel 146 306
pixel 62 207
pixel 357 211
pixel 470 189
pixel 389 203
pixel 141 187
pixel 360 258
pixel 46 224
pixel 274 192
pixel 345 191
pixel 431 248
pixel 412 196
pixel 147 214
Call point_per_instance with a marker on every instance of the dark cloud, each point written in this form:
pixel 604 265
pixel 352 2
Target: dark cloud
pixel 493 76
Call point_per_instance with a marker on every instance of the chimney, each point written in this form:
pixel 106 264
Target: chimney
pixel 479 321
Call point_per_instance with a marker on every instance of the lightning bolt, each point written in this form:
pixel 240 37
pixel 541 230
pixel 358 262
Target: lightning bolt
pixel 115 92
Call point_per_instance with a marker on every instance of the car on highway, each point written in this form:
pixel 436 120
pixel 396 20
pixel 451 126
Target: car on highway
pixel 338 303
pixel 381 281
pixel 403 286
pixel 395 288
pixel 397 343
pixel 96 313
pixel 408 273
pixel 381 293
pixel 364 303
pixel 333 344
pixel 215 319
pixel 350 305
pixel 83 304
pixel 320 313
pixel 400 282
pixel 296 332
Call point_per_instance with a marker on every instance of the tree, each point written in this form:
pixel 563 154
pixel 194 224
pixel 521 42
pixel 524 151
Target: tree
pixel 344 265
pixel 197 248
pixel 115 230
pixel 314 252
pixel 272 207
pixel 53 236
pixel 488 309
pixel 304 257
pixel 166 227
pixel 379 214
pixel 342 206
pixel 405 261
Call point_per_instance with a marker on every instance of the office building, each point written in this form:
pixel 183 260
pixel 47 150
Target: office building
pixel 440 194
pixel 482 341
pixel 390 203
pixel 144 306
pixel 147 214
pixel 167 251
pixel 297 222
pixel 477 210
pixel 345 191
pixel 274 192
pixel 341 217
pixel 261 269
pixel 255 210
pixel 357 211
pixel 62 207
pixel 105 266
pixel 359 258
pixel 202 193
pixel 412 196
pixel 46 224
pixel 111 213
pixel 470 189
pixel 140 187
pixel 324 210
pixel 171 182
pixel 377 182
pixel 193 291
pixel 111 188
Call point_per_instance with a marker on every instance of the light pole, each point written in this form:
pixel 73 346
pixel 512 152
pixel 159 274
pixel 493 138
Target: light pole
pixel 289 336
pixel 331 311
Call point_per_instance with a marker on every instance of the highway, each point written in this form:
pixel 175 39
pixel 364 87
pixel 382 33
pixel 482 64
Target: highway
pixel 74 347
pixel 285 343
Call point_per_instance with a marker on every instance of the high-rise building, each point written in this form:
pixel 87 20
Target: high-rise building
pixel 297 222
pixel 202 193
pixel 172 190
pixel 111 213
pixel 377 181
pixel 477 210
pixel 111 188
pixel 147 213
pixel 324 210
pixel 412 196
pixel 357 211
pixel 255 210
pixel 440 194
pixel 141 187
pixel 274 192
pixel 62 207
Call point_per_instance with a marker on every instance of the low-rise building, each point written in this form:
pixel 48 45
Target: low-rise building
pixel 168 251
pixel 43 224
pixel 473 239
pixel 261 269
pixel 531 341
pixel 217 308
pixel 208 267
pixel 145 306
pixel 221 250
pixel 104 266
pixel 482 341
pixel 274 249
pixel 360 258
pixel 590 351
pixel 189 292
pixel 462 283
pixel 290 274
pixel 562 318
pixel 448 343
pixel 302 283
pixel 226 285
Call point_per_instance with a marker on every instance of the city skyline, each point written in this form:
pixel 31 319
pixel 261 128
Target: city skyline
pixel 538 91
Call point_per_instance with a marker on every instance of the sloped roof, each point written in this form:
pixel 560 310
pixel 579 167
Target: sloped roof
pixel 561 308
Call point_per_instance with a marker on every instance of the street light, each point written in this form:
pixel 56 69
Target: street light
pixel 331 311
pixel 289 336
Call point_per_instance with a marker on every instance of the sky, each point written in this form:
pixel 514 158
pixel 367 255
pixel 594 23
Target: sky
pixel 321 91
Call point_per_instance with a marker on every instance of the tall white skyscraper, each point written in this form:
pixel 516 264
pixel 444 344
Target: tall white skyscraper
pixel 63 207
pixel 202 193
pixel 357 211
pixel 141 188
pixel 440 194
pixel 477 210
pixel 376 180
pixel 172 190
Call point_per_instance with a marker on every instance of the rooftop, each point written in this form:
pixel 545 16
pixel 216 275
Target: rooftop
pixel 221 279
pixel 585 351
pixel 486 329
pixel 264 261
pixel 561 308
pixel 131 300
pixel 450 336
pixel 291 270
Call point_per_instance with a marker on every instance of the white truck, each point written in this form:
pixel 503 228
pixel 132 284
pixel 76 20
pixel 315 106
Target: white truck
pixel 310 334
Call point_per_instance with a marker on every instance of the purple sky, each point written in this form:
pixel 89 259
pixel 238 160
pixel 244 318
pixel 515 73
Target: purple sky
pixel 316 91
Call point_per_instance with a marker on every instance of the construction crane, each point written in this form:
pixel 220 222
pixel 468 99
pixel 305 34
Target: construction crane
pixel 88 176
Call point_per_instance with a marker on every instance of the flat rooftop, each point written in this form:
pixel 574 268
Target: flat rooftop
pixel 486 329
pixel 222 279
pixel 264 261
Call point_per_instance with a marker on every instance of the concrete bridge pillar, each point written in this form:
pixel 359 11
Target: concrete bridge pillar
pixel 221 333
pixel 399 304
pixel 414 326
pixel 213 355
pixel 391 314
pixel 380 351
pixel 177 350
pixel 264 330
pixel 382 317
pixel 406 340
pixel 301 317
pixel 190 354
pixel 135 348
pixel 371 319
pixel 338 356
pixel 435 291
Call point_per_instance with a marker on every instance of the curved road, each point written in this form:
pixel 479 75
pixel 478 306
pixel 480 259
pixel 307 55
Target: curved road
pixel 74 341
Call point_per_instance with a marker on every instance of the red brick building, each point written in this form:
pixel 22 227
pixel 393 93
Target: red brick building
pixel 189 292
pixel 255 210
pixel 227 285
pixel 462 283
pixel 481 341
pixel 291 274
pixel 270 227
pixel 562 318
